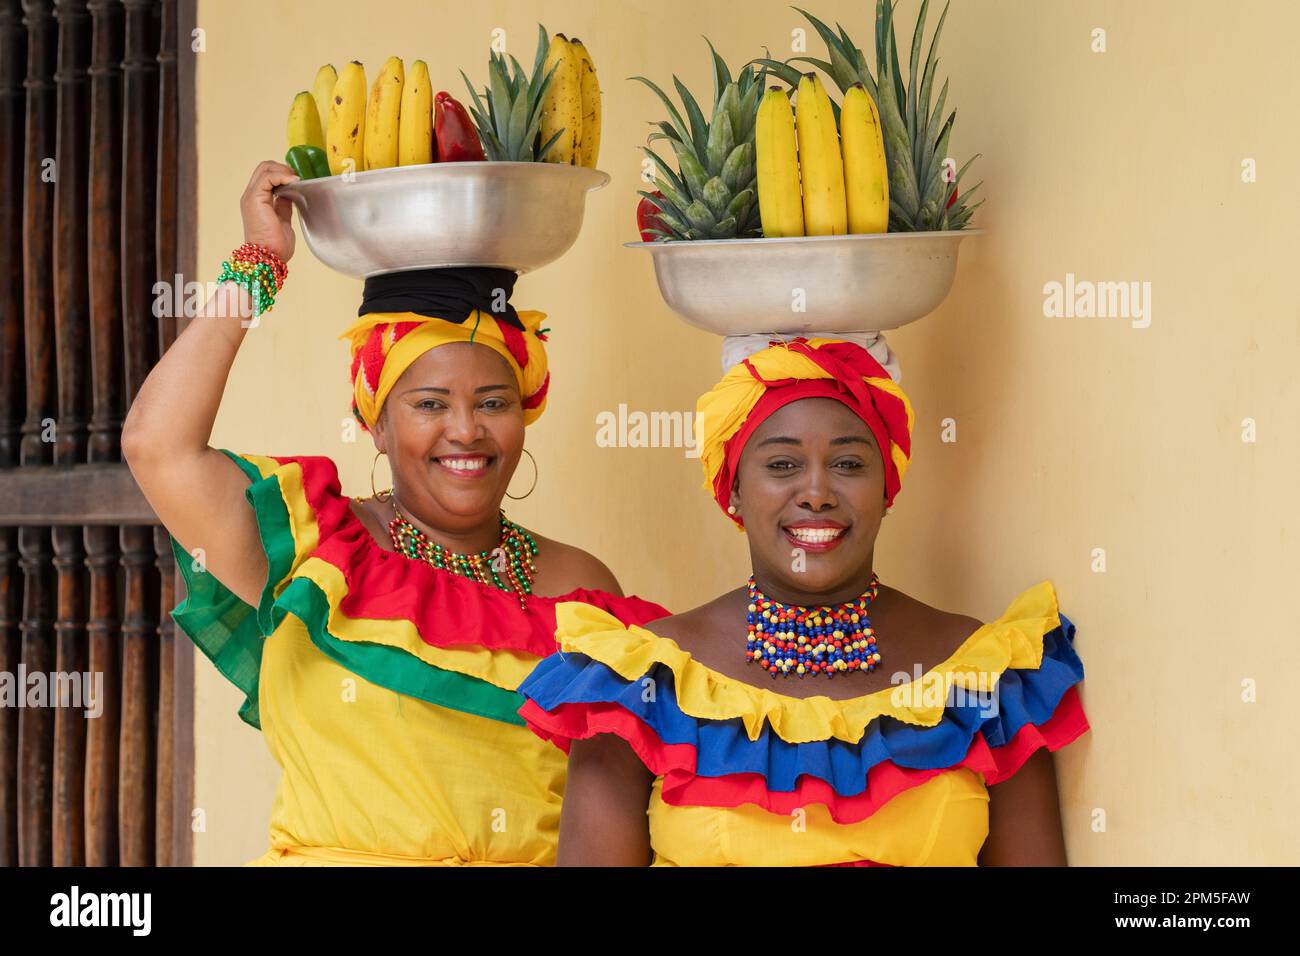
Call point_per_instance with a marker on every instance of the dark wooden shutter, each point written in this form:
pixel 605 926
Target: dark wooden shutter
pixel 97 204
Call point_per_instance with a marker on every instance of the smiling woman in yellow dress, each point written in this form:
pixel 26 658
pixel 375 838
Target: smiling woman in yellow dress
pixel 768 726
pixel 379 642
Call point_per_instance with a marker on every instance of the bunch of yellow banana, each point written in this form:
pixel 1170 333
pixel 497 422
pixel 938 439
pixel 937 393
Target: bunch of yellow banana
pixel 305 127
pixel 391 127
pixel 322 91
pixel 780 203
pixel 345 133
pixel 866 177
pixel 395 124
pixel 382 111
pixel 820 163
pixel 809 186
pixel 415 119
pixel 571 106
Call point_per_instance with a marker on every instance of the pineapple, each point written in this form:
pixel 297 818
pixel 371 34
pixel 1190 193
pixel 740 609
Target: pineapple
pixel 713 194
pixel 508 123
pixel 920 200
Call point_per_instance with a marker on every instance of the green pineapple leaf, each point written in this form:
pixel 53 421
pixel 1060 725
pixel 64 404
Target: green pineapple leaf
pixel 682 129
pixel 819 64
pixel 715 157
pixel 914 57
pixel 721 141
pixel 699 128
pixel 546 147
pixel 721 74
pixel 922 159
pixel 784 71
pixel 735 171
pixel 666 172
pixel 748 118
pixel 717 197
pixel 726 229
pixel 693 172
pixel 827 34
pixel 543 44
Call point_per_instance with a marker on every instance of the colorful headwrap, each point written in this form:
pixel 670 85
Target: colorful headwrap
pixel 785 372
pixel 404 314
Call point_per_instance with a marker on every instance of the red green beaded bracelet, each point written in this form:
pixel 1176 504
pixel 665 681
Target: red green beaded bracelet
pixel 257 269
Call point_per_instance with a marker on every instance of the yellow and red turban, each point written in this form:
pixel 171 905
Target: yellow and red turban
pixel 785 372
pixel 385 344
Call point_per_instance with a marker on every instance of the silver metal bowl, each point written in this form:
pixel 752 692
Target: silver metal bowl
pixel 517 216
pixel 842 283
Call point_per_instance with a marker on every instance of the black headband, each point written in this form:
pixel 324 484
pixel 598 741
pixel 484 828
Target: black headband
pixel 451 293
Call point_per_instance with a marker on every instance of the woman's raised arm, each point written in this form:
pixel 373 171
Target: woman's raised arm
pixel 196 491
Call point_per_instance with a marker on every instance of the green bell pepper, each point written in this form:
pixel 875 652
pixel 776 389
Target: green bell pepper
pixel 308 162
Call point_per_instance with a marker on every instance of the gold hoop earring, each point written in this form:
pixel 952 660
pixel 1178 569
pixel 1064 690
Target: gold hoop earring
pixel 534 484
pixel 378 495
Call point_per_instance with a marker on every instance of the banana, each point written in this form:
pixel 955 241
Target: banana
pixel 866 179
pixel 345 133
pixel 820 163
pixel 589 145
pixel 779 202
pixel 382 111
pixel 322 91
pixel 415 121
pixel 562 104
pixel 304 123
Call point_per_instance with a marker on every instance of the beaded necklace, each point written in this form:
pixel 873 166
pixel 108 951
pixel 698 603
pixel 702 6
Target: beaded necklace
pixel 509 566
pixel 790 639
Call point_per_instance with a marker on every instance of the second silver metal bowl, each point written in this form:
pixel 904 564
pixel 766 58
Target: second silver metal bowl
pixel 807 284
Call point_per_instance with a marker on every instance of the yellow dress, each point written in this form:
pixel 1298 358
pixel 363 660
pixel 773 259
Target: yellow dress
pixel 385 688
pixel 748 777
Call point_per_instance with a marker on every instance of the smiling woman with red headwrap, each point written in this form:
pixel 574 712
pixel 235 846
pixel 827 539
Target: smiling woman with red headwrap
pixel 713 738
pixel 757 386
pixel 378 641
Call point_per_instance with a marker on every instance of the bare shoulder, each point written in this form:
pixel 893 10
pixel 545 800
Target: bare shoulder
pixel 370 513
pixel 562 568
pixel 917 617
pixel 687 627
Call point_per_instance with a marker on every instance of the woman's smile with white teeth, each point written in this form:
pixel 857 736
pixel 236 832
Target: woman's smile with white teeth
pixel 814 535
pixel 463 464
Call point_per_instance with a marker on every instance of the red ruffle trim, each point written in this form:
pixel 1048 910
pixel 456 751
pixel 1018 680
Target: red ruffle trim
pixel 682 787
pixel 445 608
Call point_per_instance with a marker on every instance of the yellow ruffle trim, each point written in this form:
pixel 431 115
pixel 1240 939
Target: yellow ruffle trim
pixel 1013 641
pixel 502 668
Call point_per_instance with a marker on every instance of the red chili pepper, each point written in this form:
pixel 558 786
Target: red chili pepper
pixel 457 139
pixel 952 199
pixel 647 217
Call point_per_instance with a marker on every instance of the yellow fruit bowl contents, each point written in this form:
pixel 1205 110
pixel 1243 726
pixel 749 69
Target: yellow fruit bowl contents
pixel 788 212
pixel 404 178
pixel 812 254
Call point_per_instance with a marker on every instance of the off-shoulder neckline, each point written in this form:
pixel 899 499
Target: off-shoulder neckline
pixel 373 542
pixel 720 678
pixel 1014 639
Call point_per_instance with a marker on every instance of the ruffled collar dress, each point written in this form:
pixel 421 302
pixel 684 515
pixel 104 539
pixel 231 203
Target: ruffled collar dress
pixel 746 776
pixel 386 689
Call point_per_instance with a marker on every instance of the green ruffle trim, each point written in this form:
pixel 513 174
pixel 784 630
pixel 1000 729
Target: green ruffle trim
pixel 230 632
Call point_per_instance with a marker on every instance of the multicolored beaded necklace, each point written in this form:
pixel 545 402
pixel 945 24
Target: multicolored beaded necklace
pixel 790 639
pixel 509 566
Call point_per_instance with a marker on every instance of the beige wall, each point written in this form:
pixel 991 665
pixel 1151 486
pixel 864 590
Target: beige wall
pixel 1073 434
